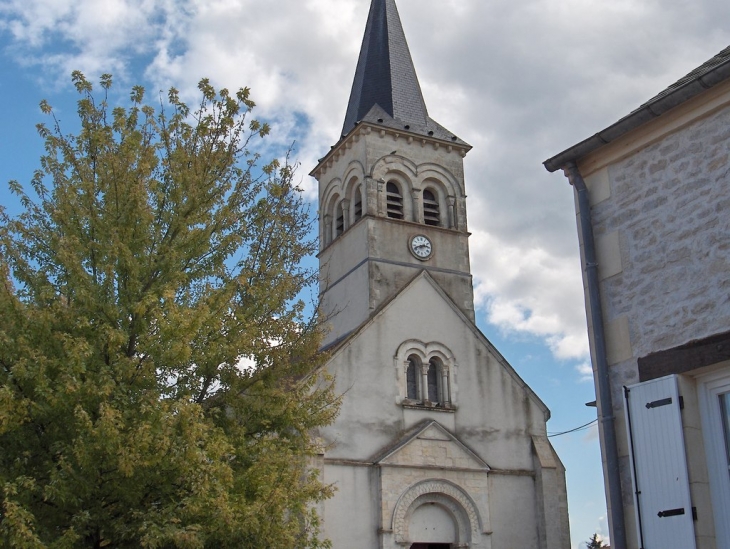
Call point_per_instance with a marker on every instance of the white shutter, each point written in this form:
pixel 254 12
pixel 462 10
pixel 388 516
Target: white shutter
pixel 661 482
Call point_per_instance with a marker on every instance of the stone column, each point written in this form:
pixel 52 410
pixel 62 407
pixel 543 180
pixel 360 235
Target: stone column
pixel 361 194
pixel 327 236
pixel 417 209
pixel 445 387
pixel 380 197
pixel 424 381
pixel 452 212
pixel 345 205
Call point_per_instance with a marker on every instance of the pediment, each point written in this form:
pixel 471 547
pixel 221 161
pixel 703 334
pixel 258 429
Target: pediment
pixel 431 445
pixel 422 297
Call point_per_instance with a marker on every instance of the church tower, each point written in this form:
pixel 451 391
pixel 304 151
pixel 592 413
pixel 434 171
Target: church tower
pixel 392 193
pixel 439 443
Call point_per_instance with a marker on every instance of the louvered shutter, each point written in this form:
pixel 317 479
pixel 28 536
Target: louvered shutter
pixel 662 495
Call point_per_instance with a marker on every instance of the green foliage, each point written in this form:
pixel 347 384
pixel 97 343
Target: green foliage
pixel 595 543
pixel 156 369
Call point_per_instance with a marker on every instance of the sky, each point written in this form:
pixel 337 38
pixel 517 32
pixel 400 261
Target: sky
pixel 520 80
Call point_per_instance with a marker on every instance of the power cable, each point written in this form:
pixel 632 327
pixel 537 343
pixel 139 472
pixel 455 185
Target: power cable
pixel 581 428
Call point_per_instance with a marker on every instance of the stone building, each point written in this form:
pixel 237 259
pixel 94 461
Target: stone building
pixel 653 212
pixel 439 443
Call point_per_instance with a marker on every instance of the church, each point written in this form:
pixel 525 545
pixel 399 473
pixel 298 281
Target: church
pixel 439 443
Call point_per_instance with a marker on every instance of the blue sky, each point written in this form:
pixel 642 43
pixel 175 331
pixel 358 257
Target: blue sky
pixel 520 80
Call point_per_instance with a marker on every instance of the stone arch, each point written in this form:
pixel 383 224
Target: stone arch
pixel 404 187
pixel 329 198
pixel 434 348
pixel 414 367
pixel 448 495
pixel 334 187
pixel 329 224
pixel 441 194
pixel 451 184
pixel 394 164
pixel 449 191
pixel 350 183
pixel 425 352
pixel 356 180
pixel 354 169
pixel 355 190
pixel 412 346
pixel 403 173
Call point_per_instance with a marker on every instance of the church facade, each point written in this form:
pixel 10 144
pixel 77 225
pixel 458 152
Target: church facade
pixel 439 443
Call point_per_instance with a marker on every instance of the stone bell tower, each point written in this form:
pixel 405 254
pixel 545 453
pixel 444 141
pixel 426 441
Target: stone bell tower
pixel 395 175
pixel 439 444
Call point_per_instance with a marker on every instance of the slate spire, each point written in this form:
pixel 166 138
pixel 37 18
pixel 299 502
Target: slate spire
pixel 386 89
pixel 385 74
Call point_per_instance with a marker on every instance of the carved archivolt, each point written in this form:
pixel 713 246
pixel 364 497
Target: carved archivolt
pixel 425 352
pixel 449 496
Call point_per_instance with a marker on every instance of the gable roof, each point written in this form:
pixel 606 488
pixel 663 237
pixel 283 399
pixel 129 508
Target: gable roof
pixel 339 345
pixel 709 74
pixel 385 89
pixel 390 454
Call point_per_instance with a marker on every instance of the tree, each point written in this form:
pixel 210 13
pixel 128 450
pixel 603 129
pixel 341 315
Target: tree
pixel 595 543
pixel 158 375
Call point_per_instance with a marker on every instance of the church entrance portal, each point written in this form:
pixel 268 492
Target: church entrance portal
pixel 430 546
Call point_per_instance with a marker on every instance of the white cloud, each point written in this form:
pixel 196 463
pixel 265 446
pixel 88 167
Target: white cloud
pixel 532 291
pixel 88 35
pixel 519 80
pixel 585 371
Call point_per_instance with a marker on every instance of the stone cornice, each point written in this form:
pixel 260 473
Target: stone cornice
pixel 367 128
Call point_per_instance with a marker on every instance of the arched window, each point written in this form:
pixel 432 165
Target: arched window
pixel 394 201
pixel 332 217
pixel 340 221
pixel 412 374
pixel 357 214
pixel 434 382
pixel 431 215
pixel 424 376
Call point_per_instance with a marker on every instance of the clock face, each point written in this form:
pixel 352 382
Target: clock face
pixel 421 247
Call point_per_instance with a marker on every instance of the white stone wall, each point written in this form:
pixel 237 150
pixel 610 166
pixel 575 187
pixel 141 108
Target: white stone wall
pixel 495 415
pixel 375 249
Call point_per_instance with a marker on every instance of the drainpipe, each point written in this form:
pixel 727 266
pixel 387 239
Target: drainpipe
pixel 605 411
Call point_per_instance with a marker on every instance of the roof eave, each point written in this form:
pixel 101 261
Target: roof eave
pixel 639 117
